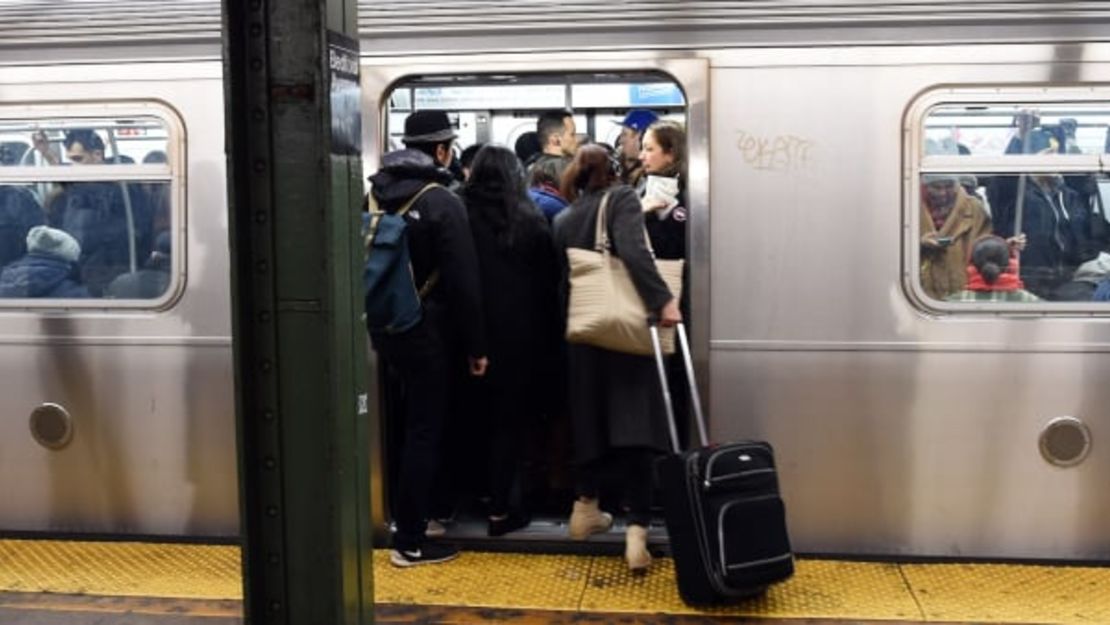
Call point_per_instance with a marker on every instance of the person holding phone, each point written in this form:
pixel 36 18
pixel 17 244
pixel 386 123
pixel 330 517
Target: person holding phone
pixel 951 219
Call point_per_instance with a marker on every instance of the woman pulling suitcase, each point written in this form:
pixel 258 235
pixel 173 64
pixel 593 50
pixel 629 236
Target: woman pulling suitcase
pixel 618 417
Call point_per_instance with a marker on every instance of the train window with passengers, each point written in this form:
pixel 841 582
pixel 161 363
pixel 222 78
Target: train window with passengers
pixel 85 210
pixel 1010 205
pixel 610 109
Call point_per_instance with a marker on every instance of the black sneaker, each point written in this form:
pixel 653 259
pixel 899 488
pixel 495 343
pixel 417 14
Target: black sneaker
pixel 428 553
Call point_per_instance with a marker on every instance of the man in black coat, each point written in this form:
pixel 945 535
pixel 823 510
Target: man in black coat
pixel 443 257
pixel 1055 220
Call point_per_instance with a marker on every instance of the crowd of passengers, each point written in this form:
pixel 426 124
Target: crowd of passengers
pixel 100 239
pixel 1053 226
pixel 487 248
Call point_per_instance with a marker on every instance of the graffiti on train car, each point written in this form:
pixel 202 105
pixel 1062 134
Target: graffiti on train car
pixel 778 153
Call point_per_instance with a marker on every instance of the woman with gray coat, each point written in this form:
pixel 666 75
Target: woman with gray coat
pixel 617 411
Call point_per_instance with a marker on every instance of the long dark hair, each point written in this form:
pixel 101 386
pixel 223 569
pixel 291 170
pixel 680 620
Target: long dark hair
pixel 495 193
pixel 593 168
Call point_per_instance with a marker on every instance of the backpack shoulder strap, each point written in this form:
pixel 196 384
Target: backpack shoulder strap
pixel 376 212
pixel 412 200
pixel 375 216
pixel 433 277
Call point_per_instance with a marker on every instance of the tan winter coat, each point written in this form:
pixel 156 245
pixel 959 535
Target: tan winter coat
pixel 944 270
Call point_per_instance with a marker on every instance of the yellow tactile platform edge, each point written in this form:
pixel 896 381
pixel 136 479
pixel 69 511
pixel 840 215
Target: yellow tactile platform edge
pixel 522 581
pixel 1010 593
pixel 820 589
pixel 121 569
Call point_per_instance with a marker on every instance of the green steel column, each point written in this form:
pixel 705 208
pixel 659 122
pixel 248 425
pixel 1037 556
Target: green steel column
pixel 294 134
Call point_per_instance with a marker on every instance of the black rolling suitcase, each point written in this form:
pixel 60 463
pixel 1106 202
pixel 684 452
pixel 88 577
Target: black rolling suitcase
pixel 725 518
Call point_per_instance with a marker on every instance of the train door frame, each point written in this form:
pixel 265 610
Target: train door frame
pixel 379 77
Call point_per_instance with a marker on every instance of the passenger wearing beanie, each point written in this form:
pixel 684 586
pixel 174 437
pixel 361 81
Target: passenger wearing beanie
pixel 48 268
pixel 951 220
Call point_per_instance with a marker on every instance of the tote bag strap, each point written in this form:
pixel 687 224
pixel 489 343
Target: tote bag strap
pixel 601 230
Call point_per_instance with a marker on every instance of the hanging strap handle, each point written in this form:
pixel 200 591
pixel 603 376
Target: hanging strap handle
pixel 688 363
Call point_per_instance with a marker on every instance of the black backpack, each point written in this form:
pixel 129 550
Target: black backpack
pixel 393 302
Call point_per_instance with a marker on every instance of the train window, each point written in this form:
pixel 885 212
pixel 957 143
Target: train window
pixel 504 108
pixel 85 210
pixel 1009 203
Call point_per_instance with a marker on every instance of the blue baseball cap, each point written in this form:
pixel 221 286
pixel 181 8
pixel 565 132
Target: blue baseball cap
pixel 639 119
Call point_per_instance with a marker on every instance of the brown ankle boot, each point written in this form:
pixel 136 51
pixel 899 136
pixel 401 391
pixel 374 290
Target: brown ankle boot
pixel 588 519
pixel 635 549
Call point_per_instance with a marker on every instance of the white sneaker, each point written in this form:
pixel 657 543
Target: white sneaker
pixel 430 553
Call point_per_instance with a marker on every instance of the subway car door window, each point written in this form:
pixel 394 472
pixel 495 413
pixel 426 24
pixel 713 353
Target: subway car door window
pixel 86 210
pixel 1009 204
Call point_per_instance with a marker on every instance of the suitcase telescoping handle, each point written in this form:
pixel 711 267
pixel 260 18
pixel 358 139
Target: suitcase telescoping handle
pixel 688 365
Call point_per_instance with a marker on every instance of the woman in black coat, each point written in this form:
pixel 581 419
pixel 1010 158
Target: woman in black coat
pixel 617 411
pixel 663 156
pixel 519 275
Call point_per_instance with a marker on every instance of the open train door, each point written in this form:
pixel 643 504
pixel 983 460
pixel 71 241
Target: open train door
pixel 495 99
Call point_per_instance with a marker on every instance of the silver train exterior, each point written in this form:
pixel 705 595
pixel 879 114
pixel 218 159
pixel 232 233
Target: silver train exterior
pixel 900 429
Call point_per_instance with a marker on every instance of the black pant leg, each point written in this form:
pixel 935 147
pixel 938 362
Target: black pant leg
pixel 456 475
pixel 511 415
pixel 421 360
pixel 587 480
pixel 636 480
pixel 680 397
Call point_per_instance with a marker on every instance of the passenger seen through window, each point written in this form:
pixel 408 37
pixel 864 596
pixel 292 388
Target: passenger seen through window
pixel 1053 218
pixel 113 222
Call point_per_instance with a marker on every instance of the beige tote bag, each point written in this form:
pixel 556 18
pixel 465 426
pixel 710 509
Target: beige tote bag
pixel 605 309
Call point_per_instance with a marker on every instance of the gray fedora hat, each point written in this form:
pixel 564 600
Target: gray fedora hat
pixel 428 127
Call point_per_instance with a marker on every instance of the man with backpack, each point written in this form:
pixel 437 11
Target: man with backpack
pixel 415 316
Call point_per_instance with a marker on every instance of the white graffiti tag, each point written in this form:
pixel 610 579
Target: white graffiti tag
pixel 781 153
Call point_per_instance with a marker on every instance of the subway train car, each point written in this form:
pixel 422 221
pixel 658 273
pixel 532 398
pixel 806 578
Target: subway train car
pixel 824 138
